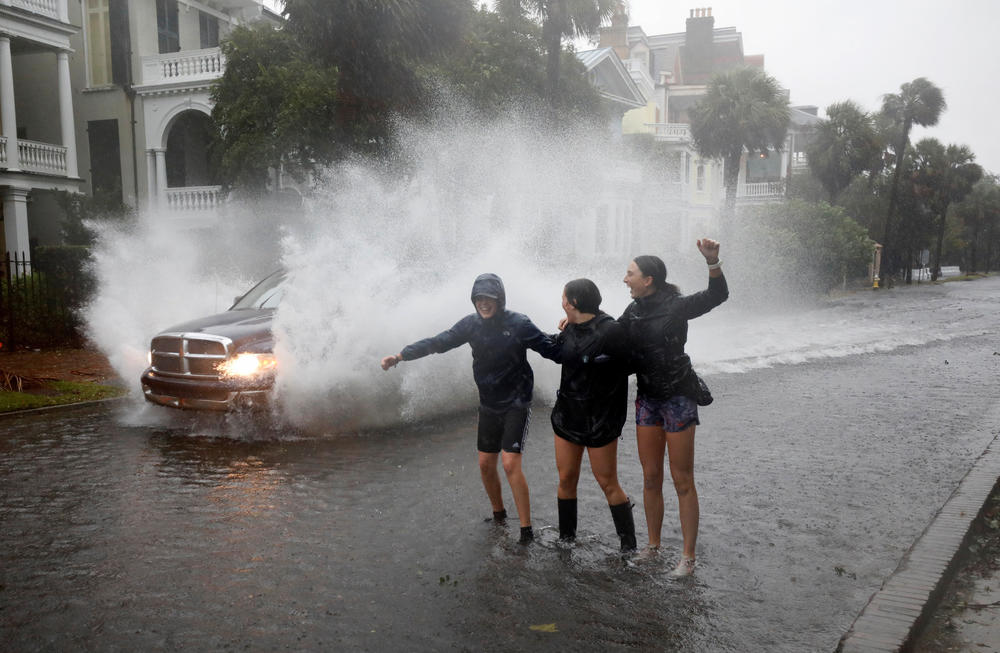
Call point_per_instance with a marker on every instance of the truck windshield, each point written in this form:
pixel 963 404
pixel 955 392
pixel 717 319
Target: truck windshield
pixel 266 294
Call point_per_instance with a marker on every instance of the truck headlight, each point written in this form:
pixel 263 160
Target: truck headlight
pixel 246 365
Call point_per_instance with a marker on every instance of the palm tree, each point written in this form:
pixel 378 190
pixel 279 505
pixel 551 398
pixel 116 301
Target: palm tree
pixel 743 108
pixel 845 145
pixel 946 175
pixel 562 18
pixel 980 213
pixel 919 102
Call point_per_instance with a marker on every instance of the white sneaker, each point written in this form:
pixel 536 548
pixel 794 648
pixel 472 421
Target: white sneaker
pixel 684 568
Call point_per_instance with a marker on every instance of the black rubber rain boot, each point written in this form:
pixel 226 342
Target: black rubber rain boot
pixel 527 535
pixel 567 519
pixel 622 514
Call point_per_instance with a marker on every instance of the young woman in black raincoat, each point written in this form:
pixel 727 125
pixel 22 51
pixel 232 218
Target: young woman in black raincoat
pixel 591 406
pixel 669 391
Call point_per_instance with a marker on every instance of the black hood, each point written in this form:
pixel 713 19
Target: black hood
pixel 490 285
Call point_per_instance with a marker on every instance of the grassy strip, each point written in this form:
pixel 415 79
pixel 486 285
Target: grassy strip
pixel 58 393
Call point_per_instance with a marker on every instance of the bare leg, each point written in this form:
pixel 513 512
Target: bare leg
pixel 652 443
pixel 491 479
pixel 568 459
pixel 604 464
pixel 680 447
pixel 518 486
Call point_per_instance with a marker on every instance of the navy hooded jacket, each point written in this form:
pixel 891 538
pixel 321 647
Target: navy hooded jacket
pixel 499 348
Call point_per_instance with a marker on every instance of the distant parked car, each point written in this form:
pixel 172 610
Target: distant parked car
pixel 219 362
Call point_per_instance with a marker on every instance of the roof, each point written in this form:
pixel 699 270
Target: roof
pixel 608 74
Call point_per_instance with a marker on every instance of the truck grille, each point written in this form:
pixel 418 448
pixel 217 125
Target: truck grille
pixel 189 354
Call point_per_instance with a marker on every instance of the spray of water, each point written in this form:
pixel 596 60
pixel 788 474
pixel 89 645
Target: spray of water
pixel 382 255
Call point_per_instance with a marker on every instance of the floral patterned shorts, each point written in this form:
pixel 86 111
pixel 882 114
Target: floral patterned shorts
pixel 672 415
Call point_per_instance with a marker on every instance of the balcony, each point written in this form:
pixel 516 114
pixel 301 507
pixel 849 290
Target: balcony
pixel 761 191
pixel 671 132
pixel 36 157
pixel 193 198
pixel 189 66
pixel 56 9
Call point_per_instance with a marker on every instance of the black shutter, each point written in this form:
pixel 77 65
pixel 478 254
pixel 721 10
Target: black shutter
pixel 121 42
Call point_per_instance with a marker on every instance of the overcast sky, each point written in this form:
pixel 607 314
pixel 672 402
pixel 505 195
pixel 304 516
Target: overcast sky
pixel 825 52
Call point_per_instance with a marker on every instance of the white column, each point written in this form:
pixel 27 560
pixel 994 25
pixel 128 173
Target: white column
pixel 161 177
pixel 66 113
pixel 8 117
pixel 151 189
pixel 15 220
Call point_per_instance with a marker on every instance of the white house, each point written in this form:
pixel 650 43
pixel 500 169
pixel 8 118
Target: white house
pixel 143 73
pixel 674 70
pixel 37 133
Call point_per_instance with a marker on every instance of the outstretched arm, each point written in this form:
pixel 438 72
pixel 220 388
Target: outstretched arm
pixel 446 340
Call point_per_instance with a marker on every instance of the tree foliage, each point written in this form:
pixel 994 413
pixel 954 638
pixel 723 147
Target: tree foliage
pixel 560 19
pixel 843 146
pixel 501 63
pixel 819 243
pixel 274 105
pixel 942 176
pixel 979 213
pixel 743 108
pixel 919 102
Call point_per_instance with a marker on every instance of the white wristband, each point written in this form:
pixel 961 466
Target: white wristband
pixel 715 266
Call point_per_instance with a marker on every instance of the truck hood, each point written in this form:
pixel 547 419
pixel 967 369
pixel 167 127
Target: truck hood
pixel 249 329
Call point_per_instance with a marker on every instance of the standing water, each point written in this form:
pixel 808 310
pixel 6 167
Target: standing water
pixel 838 429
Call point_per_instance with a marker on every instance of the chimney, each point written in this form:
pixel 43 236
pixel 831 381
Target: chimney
pixel 616 36
pixel 699 44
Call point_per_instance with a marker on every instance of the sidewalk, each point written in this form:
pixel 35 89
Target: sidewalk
pixel 921 591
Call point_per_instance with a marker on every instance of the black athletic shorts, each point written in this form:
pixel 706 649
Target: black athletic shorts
pixel 503 429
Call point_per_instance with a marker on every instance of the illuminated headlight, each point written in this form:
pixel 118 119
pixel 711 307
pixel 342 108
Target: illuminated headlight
pixel 245 365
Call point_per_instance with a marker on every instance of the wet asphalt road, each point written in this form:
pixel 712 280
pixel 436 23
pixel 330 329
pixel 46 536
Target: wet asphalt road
pixel 202 534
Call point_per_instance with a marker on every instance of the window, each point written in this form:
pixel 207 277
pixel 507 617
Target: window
pixel 687 168
pixel 166 26
pixel 98 26
pixel 209 28
pixel 701 177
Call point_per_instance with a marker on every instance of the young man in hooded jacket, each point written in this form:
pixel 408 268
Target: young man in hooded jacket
pixel 499 339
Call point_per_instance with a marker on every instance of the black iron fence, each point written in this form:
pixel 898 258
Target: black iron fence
pixel 40 298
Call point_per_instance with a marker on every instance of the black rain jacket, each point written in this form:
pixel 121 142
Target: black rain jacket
pixel 499 348
pixel 592 401
pixel 657 327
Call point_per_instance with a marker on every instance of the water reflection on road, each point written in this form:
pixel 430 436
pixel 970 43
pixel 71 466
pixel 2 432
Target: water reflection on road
pixel 814 479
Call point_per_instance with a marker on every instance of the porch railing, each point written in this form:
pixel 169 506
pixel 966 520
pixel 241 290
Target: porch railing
pixel 194 198
pixel 187 66
pixel 52 8
pixel 667 131
pixel 761 190
pixel 36 157
pixel 42 157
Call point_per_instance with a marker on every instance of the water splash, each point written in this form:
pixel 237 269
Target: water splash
pixel 385 254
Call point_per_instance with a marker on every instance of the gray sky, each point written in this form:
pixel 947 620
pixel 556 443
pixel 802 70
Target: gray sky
pixel 825 52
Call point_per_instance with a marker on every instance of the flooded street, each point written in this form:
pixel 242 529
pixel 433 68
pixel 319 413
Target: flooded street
pixel 119 532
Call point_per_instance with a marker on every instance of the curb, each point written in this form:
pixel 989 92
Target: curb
pixel 59 407
pixel 897 612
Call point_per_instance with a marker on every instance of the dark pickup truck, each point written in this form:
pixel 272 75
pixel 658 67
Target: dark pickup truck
pixel 219 362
